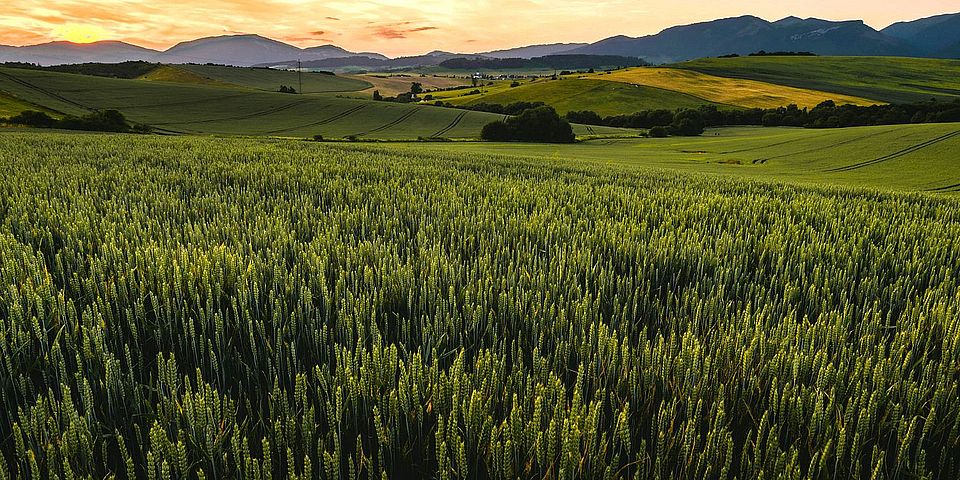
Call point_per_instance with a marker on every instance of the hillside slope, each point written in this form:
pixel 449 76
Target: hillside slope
pixel 894 80
pixel 211 109
pixel 747 34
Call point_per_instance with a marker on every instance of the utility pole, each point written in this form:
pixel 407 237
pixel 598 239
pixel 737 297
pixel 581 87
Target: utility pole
pixel 300 75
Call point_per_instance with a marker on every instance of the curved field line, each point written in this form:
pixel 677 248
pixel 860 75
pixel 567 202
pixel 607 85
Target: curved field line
pixel 45 91
pixel 191 102
pixel 451 126
pixel 246 116
pixel 398 121
pixel 339 116
pixel 823 147
pixel 949 188
pixel 897 154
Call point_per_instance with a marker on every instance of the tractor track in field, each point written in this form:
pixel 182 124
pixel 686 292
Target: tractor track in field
pixel 339 116
pixel 402 118
pixel 44 91
pixel 897 154
pixel 247 116
pixel 949 188
pixel 190 102
pixel 820 148
pixel 590 130
pixel 456 121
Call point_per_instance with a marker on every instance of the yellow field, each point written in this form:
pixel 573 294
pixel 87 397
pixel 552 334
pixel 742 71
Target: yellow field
pixel 168 73
pixel 729 91
pixel 391 85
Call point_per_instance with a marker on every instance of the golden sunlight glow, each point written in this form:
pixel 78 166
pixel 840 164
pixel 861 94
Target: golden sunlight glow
pixel 77 33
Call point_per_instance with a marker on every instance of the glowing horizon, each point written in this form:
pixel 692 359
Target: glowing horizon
pixel 395 28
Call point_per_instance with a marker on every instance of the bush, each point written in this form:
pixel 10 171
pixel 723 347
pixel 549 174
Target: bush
pixel 31 118
pixel 105 121
pixel 585 117
pixel 687 123
pixel 496 132
pixel 540 124
pixel 658 132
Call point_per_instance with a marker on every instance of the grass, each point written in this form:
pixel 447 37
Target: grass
pixel 207 109
pixel 603 97
pixel 270 80
pixel 727 91
pixel 390 85
pixel 188 307
pixel 899 157
pixel 889 79
pixel 10 105
pixel 178 74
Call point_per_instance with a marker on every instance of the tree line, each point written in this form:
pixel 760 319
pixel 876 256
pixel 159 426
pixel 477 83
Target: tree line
pixel 100 121
pixel 554 62
pixel 825 115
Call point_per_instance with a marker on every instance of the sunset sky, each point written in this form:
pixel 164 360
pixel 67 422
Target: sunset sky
pixel 395 27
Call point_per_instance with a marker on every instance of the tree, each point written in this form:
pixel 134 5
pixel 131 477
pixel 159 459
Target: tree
pixel 539 124
pixel 416 88
pixel 32 118
pixel 585 117
pixel 658 132
pixel 496 132
pixel 377 96
pixel 688 123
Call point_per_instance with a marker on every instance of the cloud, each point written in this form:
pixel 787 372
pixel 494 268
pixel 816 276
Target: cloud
pixel 396 30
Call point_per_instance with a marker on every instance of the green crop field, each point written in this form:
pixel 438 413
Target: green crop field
pixel 189 307
pixel 270 80
pixel 895 157
pixel 895 80
pixel 211 109
pixel 603 97
pixel 10 105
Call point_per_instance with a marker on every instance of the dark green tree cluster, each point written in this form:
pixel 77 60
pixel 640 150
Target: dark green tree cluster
pixel 540 124
pixel 99 121
pixel 825 115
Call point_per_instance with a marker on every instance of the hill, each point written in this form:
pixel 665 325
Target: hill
pixel 601 96
pixel 646 88
pixel 532 51
pixel 59 53
pixel 937 36
pixel 727 91
pixel 913 158
pixel 747 34
pixel 270 80
pixel 213 109
pixel 894 80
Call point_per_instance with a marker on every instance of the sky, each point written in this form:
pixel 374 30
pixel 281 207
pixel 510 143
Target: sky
pixel 406 27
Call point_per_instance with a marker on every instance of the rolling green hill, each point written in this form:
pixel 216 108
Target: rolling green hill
pixel 211 109
pixel 894 157
pixel 894 80
pixel 270 80
pixel 603 97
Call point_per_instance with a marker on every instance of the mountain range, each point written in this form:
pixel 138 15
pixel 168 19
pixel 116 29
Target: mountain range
pixel 937 37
